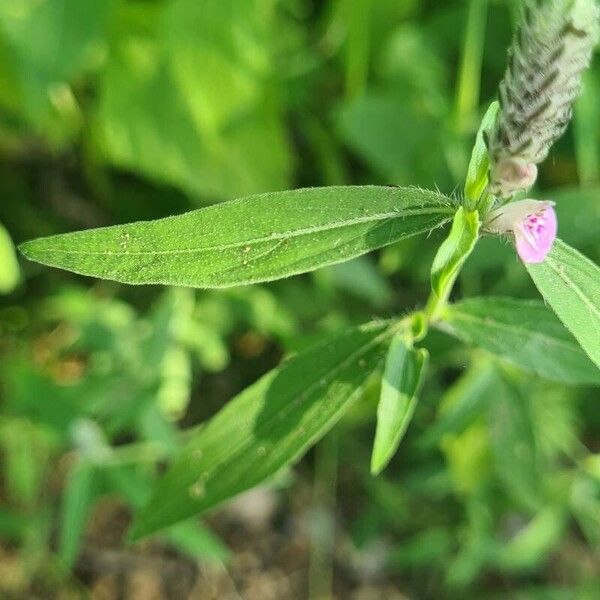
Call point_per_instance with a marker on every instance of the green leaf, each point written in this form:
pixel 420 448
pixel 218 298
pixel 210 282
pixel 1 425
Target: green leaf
pixel 524 333
pixel 570 283
pixel 402 378
pixel 190 96
pixel 25 446
pixel 513 442
pixel 452 255
pixel 579 225
pixel 477 174
pixel 9 267
pixel 375 127
pixel 197 541
pixel 254 239
pixel 191 536
pixel 268 426
pixel 462 403
pixel 531 546
pixel 77 501
pixel 360 278
pixel 49 44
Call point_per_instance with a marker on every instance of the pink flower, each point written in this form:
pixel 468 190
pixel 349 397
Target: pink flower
pixel 533 224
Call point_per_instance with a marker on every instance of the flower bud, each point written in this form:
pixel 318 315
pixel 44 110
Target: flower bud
pixel 551 49
pixel 532 222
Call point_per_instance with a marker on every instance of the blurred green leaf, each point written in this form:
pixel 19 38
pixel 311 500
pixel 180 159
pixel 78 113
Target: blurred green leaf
pixel 189 536
pixel 402 377
pixel 570 283
pixel 515 450
pixel 587 125
pixel 48 44
pixel 26 447
pixel 477 544
pixel 268 426
pixel 13 526
pixel 9 267
pixel 357 16
pixel 28 393
pixel 469 75
pixel 197 541
pixel 423 549
pixel 534 542
pixel 190 97
pixel 578 212
pixel 468 458
pixel 78 496
pixel 524 333
pixel 463 402
pixel 254 239
pixel 395 137
pixel 360 278
pixel 55 36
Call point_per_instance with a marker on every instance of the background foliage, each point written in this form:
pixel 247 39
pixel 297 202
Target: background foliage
pixel 120 110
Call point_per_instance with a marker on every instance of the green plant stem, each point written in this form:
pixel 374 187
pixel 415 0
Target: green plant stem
pixel 320 576
pixel 358 19
pixel 469 77
pixel 468 85
pixel 450 258
pixel 586 125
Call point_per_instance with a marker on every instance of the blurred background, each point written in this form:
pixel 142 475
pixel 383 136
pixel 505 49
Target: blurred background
pixel 120 110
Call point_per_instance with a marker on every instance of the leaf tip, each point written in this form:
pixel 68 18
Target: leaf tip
pixel 27 249
pixel 135 533
pixel 379 462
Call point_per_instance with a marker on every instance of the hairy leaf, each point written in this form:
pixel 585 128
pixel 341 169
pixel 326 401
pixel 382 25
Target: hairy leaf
pixel 259 238
pixel 268 426
pixel 523 332
pixel 570 283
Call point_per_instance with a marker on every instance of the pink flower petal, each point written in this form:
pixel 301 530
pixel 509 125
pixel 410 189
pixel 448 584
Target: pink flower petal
pixel 509 216
pixel 535 235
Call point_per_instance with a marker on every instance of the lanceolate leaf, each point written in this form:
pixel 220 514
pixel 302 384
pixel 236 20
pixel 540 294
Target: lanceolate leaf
pixel 268 426
pixel 570 283
pixel 523 332
pixel 402 377
pixel 253 239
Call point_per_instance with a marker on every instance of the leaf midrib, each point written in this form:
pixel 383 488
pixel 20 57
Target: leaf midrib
pixel 26 247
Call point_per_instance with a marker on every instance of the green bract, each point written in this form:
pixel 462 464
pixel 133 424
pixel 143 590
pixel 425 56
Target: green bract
pixel 403 375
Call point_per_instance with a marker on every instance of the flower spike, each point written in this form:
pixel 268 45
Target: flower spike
pixel 551 49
